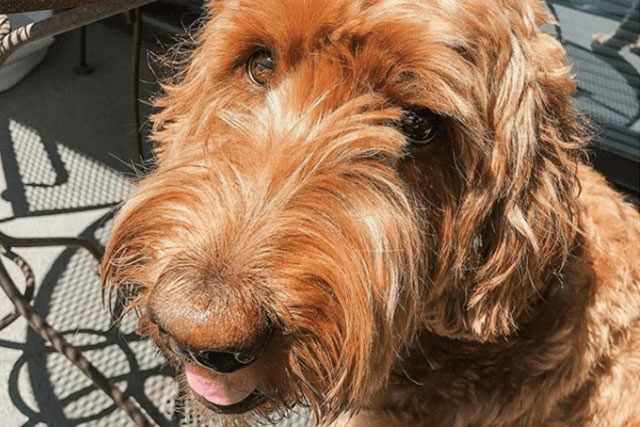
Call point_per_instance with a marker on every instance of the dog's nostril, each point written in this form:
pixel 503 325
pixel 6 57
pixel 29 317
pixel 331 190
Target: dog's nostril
pixel 221 361
pixel 244 358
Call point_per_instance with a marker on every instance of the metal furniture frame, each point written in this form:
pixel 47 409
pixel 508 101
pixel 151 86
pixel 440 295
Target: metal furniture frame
pixel 79 14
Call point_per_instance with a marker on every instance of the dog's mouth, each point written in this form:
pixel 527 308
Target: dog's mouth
pixel 233 393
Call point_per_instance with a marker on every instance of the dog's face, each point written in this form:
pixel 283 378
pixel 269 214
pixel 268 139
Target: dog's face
pixel 333 175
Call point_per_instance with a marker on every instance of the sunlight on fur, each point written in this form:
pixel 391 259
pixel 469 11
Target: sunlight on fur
pixel 380 209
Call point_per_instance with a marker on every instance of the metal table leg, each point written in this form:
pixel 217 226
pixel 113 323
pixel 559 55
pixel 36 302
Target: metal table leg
pixel 24 308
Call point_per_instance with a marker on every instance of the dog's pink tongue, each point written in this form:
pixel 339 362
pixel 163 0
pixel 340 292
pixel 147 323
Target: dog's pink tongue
pixel 220 389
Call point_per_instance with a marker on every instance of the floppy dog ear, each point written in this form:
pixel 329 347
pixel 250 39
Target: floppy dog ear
pixel 507 223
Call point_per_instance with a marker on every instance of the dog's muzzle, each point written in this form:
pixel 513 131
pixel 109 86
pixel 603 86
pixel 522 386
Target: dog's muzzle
pixel 217 377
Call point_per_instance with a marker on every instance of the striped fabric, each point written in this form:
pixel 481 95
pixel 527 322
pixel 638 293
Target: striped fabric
pixel 9 38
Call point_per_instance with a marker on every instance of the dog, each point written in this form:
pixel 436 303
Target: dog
pixel 381 210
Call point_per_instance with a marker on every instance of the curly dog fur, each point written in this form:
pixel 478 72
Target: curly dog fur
pixel 378 209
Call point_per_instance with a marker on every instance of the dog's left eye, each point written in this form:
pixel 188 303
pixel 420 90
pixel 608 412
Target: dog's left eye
pixel 420 125
pixel 260 67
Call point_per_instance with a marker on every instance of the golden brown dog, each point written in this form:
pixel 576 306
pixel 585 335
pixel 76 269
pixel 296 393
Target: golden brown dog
pixel 378 209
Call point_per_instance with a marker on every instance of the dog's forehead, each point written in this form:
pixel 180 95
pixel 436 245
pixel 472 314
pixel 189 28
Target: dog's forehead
pixel 297 21
pixel 386 45
pixel 404 27
pixel 293 29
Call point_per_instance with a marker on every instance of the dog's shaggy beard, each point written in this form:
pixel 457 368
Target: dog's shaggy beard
pixel 328 243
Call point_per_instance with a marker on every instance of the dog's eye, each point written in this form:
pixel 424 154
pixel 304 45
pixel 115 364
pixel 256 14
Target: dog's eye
pixel 420 125
pixel 260 67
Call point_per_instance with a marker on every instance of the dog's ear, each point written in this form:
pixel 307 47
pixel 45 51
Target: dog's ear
pixel 506 222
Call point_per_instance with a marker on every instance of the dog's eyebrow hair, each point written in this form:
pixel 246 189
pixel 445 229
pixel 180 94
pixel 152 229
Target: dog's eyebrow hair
pixel 245 53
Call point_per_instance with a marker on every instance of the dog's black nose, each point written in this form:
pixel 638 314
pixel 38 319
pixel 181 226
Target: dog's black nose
pixel 208 322
pixel 232 360
pixel 221 361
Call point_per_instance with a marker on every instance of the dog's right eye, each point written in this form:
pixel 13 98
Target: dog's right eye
pixel 420 125
pixel 260 67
